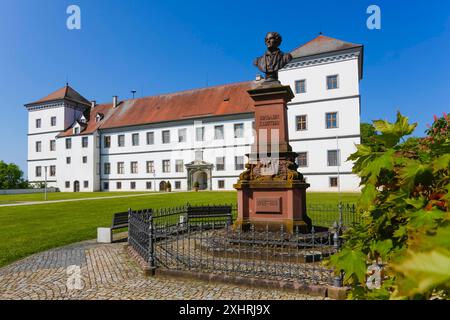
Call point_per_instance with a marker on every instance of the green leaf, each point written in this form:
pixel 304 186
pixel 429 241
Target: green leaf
pixel 373 168
pixel 417 203
pixel 415 172
pixel 443 162
pixel 352 262
pixel 423 218
pixel 426 270
pixel 382 248
pixel 392 132
pixel 368 195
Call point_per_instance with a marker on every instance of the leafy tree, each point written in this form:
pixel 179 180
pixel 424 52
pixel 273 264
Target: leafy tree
pixel 406 219
pixel 11 177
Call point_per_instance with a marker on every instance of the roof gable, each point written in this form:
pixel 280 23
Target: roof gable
pixel 322 44
pixel 65 93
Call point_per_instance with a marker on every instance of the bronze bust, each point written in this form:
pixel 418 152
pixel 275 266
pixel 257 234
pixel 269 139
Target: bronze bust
pixel 273 59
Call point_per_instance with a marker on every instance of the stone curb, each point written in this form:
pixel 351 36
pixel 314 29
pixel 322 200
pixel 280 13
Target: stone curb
pixel 313 290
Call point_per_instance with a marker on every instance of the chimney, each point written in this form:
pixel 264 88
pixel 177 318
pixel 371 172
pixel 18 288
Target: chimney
pixel 93 103
pixel 114 101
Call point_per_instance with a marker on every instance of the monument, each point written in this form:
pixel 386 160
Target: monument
pixel 271 192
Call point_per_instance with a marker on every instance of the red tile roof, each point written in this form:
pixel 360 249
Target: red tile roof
pixel 67 93
pixel 322 44
pixel 198 103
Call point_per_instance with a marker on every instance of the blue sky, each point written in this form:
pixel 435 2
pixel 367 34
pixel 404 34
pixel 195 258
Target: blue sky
pixel 165 46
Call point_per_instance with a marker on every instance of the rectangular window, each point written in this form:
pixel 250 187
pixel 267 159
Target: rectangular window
pixel 107 141
pixel 238 130
pixel 118 185
pixel 332 82
pixel 134 167
pixel 221 184
pixel 179 166
pixel 38 171
pixel 238 163
pixel 331 120
pixel 86 184
pixel 105 185
pixel 150 167
pixel 76 130
pixel 121 140
pixel 38 123
pixel 300 86
pixel 84 159
pixel 166 136
pixel 120 168
pixel 68 160
pixel 334 182
pixel 52 171
pixel 149 185
pixel 38 146
pixel 107 168
pixel 301 122
pixel 52 145
pixel 200 134
pixel 334 158
pixel 177 185
pixel 135 139
pixel 67 184
pixel 220 163
pixel 150 138
pixel 132 185
pixel 53 121
pixel 218 133
pixel 166 165
pixel 84 142
pixel 302 159
pixel 68 143
pixel 182 135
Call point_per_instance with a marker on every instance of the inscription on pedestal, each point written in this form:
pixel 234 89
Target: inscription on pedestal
pixel 271 120
pixel 268 205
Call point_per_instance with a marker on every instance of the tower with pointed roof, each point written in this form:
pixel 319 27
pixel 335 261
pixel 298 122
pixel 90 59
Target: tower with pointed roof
pixel 48 117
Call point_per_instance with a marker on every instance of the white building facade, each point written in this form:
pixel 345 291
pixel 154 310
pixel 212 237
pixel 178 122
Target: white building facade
pixel 200 135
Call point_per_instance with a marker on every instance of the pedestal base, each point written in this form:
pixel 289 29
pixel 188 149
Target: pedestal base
pixel 272 205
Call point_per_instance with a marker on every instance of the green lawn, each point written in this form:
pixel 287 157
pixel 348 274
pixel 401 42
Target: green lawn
pixel 18 198
pixel 25 230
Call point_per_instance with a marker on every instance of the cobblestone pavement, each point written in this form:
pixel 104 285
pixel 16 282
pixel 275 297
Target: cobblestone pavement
pixel 106 271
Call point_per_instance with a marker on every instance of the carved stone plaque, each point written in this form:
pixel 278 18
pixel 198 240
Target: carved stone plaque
pixel 268 205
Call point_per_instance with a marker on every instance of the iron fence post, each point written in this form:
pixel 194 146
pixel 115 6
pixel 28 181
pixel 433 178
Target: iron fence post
pixel 338 279
pixel 151 254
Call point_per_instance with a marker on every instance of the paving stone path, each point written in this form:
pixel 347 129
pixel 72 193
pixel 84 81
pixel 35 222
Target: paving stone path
pixel 88 270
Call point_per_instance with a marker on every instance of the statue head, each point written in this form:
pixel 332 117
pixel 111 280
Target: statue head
pixel 273 40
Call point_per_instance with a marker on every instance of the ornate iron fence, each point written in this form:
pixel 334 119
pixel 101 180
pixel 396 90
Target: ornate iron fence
pixel 169 239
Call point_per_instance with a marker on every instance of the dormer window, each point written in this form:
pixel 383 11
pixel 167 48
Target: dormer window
pixel 76 130
pixel 83 119
pixel 99 117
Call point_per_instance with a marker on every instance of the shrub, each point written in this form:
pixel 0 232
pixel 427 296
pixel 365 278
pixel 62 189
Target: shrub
pixel 405 199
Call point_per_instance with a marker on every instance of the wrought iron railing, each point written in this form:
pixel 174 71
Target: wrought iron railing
pixel 169 239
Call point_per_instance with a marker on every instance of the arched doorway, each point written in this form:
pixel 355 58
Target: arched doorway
pixel 76 186
pixel 202 178
pixel 162 186
pixel 201 171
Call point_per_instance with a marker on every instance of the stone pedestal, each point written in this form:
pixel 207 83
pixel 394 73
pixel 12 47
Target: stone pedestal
pixel 271 192
pixel 104 235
